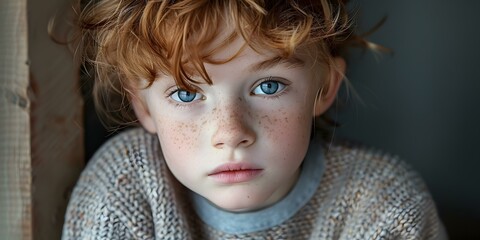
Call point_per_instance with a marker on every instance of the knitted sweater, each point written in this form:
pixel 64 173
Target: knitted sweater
pixel 127 192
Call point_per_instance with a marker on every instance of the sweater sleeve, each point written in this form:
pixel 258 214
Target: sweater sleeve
pixel 411 219
pixel 405 208
pixel 94 217
pixel 386 199
pixel 108 201
pixel 126 192
pixel 415 219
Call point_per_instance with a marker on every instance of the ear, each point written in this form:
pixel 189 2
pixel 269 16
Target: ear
pixel 329 90
pixel 141 111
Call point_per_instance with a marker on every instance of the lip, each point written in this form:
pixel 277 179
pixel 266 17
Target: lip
pixel 235 173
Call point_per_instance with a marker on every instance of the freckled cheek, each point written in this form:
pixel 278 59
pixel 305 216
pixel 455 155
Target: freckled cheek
pixel 178 137
pixel 285 125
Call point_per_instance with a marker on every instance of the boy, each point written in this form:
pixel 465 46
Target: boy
pixel 226 92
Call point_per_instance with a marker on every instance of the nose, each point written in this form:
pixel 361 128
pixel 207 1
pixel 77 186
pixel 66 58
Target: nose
pixel 232 129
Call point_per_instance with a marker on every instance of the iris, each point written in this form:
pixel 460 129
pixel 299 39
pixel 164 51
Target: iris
pixel 269 87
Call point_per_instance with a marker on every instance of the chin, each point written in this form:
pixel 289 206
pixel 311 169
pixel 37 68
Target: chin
pixel 234 203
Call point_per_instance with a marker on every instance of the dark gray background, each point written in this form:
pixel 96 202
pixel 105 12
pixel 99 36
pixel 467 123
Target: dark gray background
pixel 422 102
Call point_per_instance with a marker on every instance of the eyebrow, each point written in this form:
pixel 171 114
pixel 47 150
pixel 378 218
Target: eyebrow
pixel 275 61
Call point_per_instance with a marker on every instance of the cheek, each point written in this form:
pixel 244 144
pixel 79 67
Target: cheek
pixel 177 138
pixel 287 133
pixel 286 124
pixel 179 143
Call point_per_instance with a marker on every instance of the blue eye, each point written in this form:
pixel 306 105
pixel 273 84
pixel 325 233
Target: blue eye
pixel 268 88
pixel 185 96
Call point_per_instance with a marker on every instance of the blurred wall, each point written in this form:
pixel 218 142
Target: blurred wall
pixel 56 116
pixel 422 102
pixel 15 164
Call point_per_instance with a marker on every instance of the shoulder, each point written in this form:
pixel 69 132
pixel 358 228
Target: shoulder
pixel 125 160
pixel 114 187
pixel 372 175
pixel 133 149
pixel 361 163
pixel 123 145
pixel 127 153
pixel 381 192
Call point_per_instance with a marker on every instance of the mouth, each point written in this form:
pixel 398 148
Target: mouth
pixel 235 173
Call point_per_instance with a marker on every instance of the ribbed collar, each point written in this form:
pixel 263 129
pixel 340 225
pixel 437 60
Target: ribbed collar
pixel 247 222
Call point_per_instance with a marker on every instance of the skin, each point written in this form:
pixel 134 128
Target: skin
pixel 233 121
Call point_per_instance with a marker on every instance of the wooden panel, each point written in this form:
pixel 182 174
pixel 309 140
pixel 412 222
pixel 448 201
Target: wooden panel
pixel 15 178
pixel 56 118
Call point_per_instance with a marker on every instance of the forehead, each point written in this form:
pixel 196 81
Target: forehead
pixel 259 59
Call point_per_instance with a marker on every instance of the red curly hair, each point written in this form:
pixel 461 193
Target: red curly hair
pixel 138 39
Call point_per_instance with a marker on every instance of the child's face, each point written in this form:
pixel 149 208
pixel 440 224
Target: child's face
pixel 239 142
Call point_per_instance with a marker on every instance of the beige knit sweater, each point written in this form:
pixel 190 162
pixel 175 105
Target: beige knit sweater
pixel 127 192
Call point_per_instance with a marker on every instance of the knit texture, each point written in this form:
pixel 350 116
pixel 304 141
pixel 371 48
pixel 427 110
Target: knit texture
pixel 127 192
